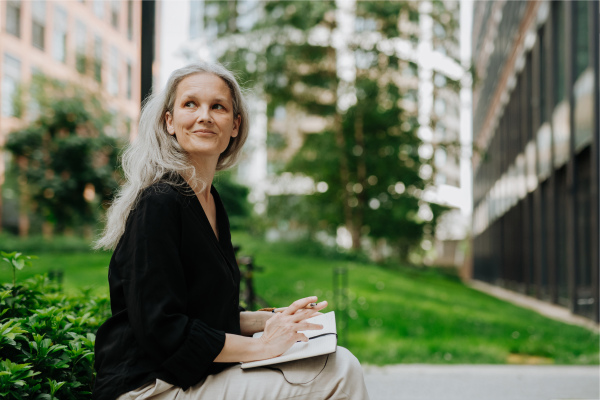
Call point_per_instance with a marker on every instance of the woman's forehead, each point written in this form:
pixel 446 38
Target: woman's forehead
pixel 204 83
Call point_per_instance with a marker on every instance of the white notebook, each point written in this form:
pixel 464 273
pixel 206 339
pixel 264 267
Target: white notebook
pixel 323 341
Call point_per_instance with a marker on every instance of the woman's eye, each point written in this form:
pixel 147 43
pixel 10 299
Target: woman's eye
pixel 218 107
pixel 189 104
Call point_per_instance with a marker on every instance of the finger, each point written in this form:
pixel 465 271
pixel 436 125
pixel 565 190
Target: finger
pixel 298 304
pixel 301 337
pixel 310 327
pixel 306 313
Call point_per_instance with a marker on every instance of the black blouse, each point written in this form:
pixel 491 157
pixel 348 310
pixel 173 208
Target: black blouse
pixel 174 291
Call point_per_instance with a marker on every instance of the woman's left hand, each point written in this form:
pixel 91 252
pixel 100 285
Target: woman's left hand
pixel 282 330
pixel 253 321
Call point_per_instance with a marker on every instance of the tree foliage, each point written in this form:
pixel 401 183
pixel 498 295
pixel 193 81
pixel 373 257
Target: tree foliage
pixel 367 154
pixel 234 197
pixel 64 152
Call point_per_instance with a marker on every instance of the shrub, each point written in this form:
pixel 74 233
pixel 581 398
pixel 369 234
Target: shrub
pixel 47 341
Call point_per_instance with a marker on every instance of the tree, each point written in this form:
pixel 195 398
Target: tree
pixel 234 197
pixel 66 162
pixel 339 62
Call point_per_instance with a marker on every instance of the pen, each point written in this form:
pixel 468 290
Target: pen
pixel 280 309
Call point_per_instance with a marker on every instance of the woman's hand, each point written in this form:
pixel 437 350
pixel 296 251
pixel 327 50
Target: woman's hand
pixel 253 321
pixel 282 329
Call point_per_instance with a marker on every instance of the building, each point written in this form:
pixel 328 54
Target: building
pixel 535 127
pixel 95 43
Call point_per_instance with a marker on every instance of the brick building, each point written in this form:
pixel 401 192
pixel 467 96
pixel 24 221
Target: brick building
pixel 95 43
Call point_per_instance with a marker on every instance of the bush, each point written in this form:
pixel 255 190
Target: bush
pixel 47 341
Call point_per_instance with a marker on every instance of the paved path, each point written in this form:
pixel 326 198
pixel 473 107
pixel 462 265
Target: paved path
pixel 549 310
pixel 482 382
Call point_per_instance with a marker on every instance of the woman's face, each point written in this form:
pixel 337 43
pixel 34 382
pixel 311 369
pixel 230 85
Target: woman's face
pixel 202 118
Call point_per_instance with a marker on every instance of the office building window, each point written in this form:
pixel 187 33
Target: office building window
pixel 558 50
pixel 115 5
pixel 98 58
pixel 13 17
pixel 129 79
pixel 99 8
pixel 582 39
pixel 130 19
pixel 113 77
pixel 80 48
pixel 59 38
pixel 542 65
pixel 196 18
pixel 38 26
pixel 33 105
pixel 10 84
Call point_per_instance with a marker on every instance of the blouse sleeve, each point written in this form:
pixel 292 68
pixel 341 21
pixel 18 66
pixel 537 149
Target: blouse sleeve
pixel 155 291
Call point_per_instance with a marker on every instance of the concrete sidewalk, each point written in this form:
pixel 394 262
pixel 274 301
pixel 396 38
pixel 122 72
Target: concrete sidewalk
pixel 482 382
pixel 553 311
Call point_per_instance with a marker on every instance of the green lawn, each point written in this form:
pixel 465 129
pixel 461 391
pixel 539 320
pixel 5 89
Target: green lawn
pixel 395 316
pixel 81 270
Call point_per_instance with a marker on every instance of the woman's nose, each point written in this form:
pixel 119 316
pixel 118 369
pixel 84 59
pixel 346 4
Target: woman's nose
pixel 204 115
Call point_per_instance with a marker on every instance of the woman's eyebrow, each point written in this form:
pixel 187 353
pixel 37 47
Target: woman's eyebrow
pixel 216 99
pixel 221 100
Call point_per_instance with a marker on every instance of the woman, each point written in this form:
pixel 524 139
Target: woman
pixel 176 329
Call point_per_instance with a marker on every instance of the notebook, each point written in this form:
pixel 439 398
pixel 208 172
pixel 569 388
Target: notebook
pixel 323 341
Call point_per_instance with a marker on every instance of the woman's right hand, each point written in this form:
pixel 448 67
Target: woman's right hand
pixel 282 329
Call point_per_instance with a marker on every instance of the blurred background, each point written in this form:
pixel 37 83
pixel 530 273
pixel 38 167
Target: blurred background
pixel 400 154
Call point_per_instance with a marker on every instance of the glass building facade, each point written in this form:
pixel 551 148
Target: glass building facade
pixel 535 131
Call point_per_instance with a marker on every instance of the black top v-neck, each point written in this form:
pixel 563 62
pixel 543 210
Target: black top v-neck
pixel 174 290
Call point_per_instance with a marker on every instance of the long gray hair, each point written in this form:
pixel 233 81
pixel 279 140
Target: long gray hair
pixel 156 156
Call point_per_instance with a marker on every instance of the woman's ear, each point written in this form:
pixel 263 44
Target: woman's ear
pixel 236 125
pixel 169 122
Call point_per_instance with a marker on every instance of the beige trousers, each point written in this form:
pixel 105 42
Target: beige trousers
pixel 334 376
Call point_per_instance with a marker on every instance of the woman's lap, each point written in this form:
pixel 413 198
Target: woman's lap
pixel 335 376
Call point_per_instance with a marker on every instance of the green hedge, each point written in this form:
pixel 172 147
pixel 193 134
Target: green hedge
pixel 47 341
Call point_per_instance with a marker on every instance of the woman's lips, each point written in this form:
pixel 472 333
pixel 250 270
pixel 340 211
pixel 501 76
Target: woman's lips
pixel 204 131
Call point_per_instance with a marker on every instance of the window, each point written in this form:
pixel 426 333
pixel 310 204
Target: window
pixel 440 107
pixel 582 40
pixel 114 13
pixel 411 95
pixel 13 17
pixel 99 8
pixel 440 157
pixel 59 37
pixel 113 77
pixel 558 49
pixel 130 19
pixel 98 58
pixel 10 84
pixel 409 69
pixel 362 24
pixel 129 79
pixel 33 106
pixel 413 13
pixel 529 95
pixel 542 65
pixel 439 80
pixel 196 18
pixel 38 26
pixel 80 53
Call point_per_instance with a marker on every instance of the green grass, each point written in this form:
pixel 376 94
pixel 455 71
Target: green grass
pixel 405 315
pixel 81 270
